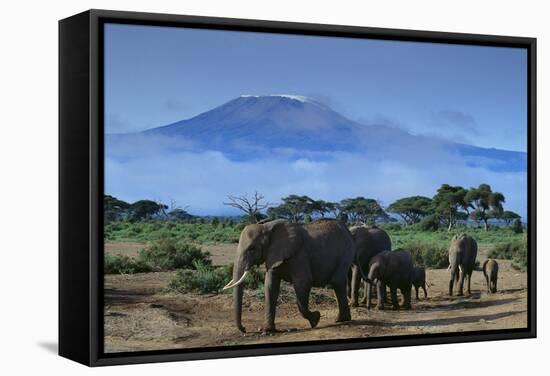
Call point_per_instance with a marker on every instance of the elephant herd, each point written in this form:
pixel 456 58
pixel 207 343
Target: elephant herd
pixel 325 252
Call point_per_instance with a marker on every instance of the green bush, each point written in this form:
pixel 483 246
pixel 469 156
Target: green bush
pixel 392 227
pixel 170 254
pixel 428 255
pixel 429 223
pixel 117 264
pixel 517 227
pixel 206 279
pixel 515 251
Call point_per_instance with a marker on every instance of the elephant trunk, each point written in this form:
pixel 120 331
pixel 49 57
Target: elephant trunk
pixel 238 273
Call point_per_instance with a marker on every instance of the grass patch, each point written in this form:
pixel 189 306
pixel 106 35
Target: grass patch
pixel 145 231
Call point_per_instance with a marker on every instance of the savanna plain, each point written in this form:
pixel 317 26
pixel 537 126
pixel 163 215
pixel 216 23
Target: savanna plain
pixel 163 288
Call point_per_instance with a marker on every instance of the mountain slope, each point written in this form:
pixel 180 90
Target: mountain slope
pixel 251 127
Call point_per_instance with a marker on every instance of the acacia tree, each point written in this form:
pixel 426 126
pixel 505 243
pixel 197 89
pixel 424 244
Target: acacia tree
pixel 486 203
pixel 295 208
pixel 114 209
pixel 509 216
pixel 412 209
pixel 147 209
pixel 448 203
pixel 363 210
pixel 251 206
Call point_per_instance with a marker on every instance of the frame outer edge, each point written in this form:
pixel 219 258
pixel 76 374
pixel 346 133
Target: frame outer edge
pixel 97 358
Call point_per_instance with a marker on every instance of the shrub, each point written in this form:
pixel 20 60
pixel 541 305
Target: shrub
pixel 169 254
pixel 117 264
pixel 392 227
pixel 429 223
pixel 428 255
pixel 515 251
pixel 206 279
pixel 517 227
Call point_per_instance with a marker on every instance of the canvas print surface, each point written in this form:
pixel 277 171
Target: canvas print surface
pixel 275 188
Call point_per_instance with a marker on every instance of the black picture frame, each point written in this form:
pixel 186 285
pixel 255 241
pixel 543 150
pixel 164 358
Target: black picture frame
pixel 81 182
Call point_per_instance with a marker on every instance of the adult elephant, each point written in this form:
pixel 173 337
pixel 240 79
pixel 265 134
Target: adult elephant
pixel 462 261
pixel 394 269
pixel 369 241
pixel 307 255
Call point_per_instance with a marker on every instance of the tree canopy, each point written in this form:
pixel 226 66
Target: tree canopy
pixel 448 203
pixel 412 209
pixel 363 210
pixel 486 203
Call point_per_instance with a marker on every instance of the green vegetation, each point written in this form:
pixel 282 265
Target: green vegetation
pixel 428 255
pixel 515 251
pixel 117 264
pixel 206 279
pixel 403 235
pixel 161 255
pixel 144 231
pixel 170 254
pixel 411 209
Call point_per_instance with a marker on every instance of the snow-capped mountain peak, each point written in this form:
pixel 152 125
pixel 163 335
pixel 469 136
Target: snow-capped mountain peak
pixel 299 98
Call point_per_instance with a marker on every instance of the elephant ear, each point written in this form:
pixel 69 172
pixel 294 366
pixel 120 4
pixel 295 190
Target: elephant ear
pixel 283 239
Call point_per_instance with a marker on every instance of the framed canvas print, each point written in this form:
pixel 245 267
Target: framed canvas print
pixel 240 187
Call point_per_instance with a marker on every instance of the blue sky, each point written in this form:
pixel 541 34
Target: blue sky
pixel 155 76
pixel 472 94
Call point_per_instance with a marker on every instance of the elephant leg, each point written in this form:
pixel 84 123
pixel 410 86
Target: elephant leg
pixel 494 286
pixel 394 302
pixel 451 283
pixel 343 307
pixel 416 291
pixel 425 291
pixel 365 287
pixel 348 283
pixel 469 283
pixel 272 285
pixel 355 281
pixel 407 296
pixel 379 295
pixel 488 283
pixel 302 290
pixel 461 283
pixel 368 291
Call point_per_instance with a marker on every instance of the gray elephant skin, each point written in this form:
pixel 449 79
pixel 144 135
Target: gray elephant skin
pixel 462 261
pixel 309 255
pixel 490 271
pixel 394 269
pixel 419 281
pixel 369 241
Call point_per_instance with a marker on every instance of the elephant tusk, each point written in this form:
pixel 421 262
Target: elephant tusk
pixel 228 283
pixel 231 285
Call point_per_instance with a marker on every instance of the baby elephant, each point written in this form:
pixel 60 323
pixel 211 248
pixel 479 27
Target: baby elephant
pixel 419 280
pixel 490 271
pixel 395 270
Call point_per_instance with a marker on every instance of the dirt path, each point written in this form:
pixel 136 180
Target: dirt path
pixel 138 316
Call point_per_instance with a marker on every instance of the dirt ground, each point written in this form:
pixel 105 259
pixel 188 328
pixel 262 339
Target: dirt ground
pixel 139 316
